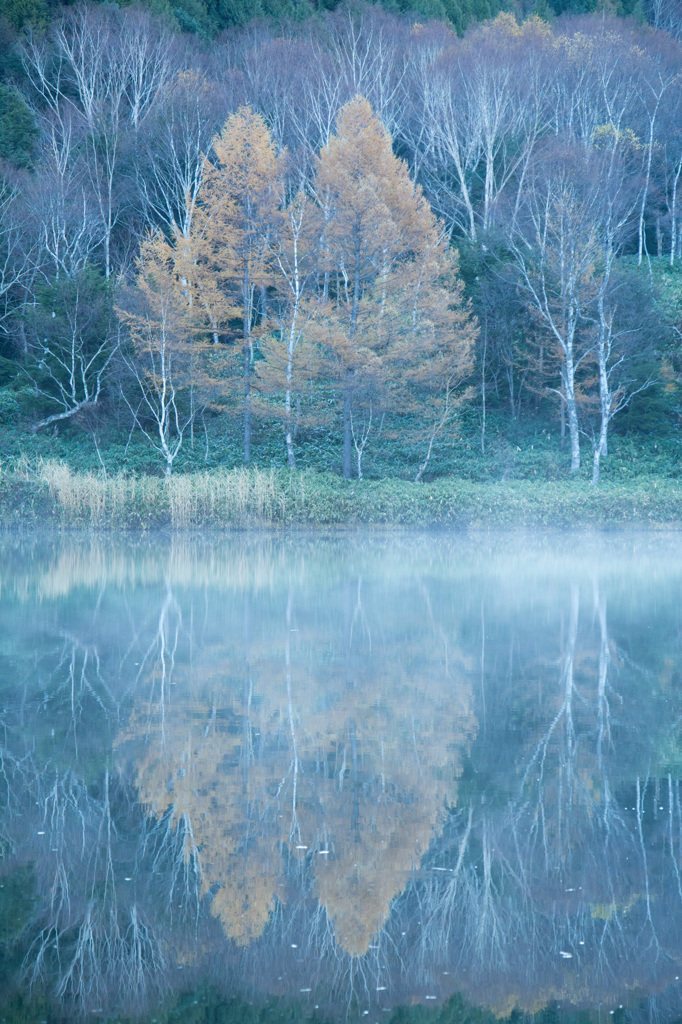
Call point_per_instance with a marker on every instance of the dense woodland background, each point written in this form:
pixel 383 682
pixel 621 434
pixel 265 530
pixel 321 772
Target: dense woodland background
pixel 214 247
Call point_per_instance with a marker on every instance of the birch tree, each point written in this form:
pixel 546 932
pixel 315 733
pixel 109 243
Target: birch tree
pixel 178 137
pixel 72 339
pixel 17 255
pixel 158 319
pixel 290 361
pixel 554 248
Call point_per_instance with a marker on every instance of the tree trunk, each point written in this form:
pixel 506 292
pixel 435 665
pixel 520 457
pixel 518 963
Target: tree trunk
pixel 488 185
pixel 57 416
pixel 347 430
pixel 600 447
pixel 641 245
pixel 291 345
pixel 574 435
pixel 288 433
pixel 603 350
pixel 673 220
pixel 466 198
pixel 483 405
pixel 246 294
pixel 107 254
pixel 572 411
pixel 595 465
pixel 247 405
pixel 347 411
pixel 291 456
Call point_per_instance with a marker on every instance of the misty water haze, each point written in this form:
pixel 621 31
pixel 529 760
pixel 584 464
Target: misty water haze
pixel 350 771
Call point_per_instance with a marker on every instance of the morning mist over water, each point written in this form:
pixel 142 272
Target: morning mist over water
pixel 351 772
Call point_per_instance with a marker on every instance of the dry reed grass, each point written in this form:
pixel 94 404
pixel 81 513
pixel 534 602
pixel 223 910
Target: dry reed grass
pixel 236 497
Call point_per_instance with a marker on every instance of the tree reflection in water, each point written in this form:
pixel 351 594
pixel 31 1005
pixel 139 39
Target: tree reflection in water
pixel 363 772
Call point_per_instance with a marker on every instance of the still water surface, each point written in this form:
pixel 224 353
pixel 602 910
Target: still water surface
pixel 353 772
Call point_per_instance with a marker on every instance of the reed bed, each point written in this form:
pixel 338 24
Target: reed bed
pixel 238 497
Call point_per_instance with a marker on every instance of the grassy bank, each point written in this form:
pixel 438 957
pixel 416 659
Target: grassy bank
pixel 49 493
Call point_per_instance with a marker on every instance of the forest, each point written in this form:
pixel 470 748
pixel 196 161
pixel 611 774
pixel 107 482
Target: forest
pixel 442 241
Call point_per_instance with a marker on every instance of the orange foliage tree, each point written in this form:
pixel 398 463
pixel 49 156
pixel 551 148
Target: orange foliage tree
pixel 239 199
pixel 391 298
pixel 262 773
pixel 352 292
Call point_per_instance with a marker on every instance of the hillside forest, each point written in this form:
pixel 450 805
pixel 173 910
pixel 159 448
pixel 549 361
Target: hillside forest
pixel 368 240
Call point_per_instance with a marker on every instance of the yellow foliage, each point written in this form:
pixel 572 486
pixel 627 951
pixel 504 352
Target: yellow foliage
pixel 240 773
pixel 607 911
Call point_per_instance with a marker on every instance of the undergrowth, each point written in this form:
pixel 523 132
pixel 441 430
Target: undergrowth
pixel 50 492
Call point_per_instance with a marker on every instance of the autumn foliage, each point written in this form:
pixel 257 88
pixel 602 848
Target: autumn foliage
pixel 352 788
pixel 341 302
pixel 314 185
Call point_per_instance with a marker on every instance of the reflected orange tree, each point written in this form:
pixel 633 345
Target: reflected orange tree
pixel 270 759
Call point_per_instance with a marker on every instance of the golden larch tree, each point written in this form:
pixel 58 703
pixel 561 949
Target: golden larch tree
pixel 389 279
pixel 431 348
pixel 238 202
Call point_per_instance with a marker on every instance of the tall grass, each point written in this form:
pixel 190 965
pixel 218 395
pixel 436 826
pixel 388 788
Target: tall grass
pixel 240 497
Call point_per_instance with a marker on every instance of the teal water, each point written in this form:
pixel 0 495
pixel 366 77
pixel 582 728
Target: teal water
pixel 328 778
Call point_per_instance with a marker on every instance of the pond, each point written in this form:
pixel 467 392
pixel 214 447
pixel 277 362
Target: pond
pixel 329 777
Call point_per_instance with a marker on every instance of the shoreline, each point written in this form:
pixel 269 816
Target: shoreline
pixel 55 496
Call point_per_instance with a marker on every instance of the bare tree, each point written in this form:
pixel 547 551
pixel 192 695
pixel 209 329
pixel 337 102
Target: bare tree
pixel 295 243
pixel 178 137
pixel 619 339
pixel 17 254
pixel 71 347
pixel 60 203
pixel 159 359
pixel 484 110
pixel 103 73
pixel 658 76
pixel 620 344
pixel 146 52
pixel 554 246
